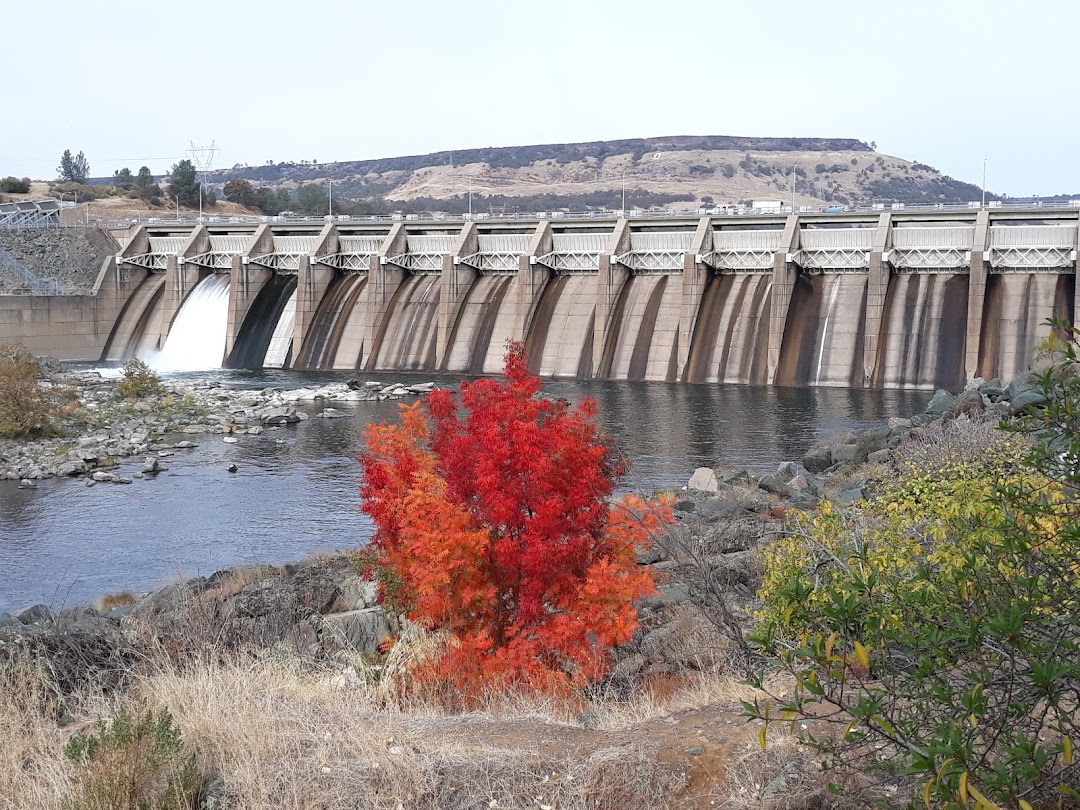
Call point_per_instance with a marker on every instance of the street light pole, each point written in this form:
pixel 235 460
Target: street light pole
pixel 331 198
pixel 793 175
pixel 177 198
pixel 624 192
pixel 984 184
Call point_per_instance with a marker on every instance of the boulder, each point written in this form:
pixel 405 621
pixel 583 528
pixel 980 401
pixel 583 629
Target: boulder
pixel 738 477
pixel 818 459
pixel 230 440
pixel 897 424
pixel 685 507
pixel 102 476
pixel 970 401
pixel 26 483
pixel 649 555
pixel 703 480
pixel 940 403
pixel 879 457
pixel 69 468
pixel 230 467
pixel 280 416
pixel 845 452
pixel 1019 385
pixel 1026 399
pixel 151 465
pixel 35 614
pixel 7 620
pixel 851 493
pixel 360 630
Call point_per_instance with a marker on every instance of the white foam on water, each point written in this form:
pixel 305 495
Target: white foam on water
pixel 278 350
pixel 196 341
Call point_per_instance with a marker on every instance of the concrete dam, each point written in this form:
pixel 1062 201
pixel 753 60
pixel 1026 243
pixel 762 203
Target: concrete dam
pixel 892 299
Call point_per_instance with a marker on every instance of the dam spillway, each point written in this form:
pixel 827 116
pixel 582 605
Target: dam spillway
pixel 889 299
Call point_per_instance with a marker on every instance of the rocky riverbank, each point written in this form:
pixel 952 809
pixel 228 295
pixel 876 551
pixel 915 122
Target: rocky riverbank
pixel 827 469
pixel 319 608
pixel 98 429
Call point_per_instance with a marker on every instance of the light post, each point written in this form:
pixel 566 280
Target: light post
pixel 624 192
pixel 794 171
pixel 331 198
pixel 984 184
pixel 177 198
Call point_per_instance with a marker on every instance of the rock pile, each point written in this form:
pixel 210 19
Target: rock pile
pixel 107 430
pixel 320 610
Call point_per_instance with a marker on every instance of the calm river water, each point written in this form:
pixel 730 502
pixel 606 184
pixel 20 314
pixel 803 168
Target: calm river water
pixel 65 543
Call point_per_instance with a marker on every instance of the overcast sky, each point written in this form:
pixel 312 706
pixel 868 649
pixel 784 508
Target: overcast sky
pixel 946 82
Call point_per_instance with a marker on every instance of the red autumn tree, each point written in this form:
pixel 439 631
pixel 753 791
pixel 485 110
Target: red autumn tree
pixel 493 522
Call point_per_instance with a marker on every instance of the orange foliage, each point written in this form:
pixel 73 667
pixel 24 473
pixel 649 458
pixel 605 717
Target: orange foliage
pixel 493 520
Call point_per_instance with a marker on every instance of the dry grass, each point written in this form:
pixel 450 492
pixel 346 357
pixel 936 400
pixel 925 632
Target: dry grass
pixel 115 600
pixel 273 731
pixel 276 737
pixel 782 777
pixel 35 773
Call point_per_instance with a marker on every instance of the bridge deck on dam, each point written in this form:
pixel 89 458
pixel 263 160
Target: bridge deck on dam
pixel 878 298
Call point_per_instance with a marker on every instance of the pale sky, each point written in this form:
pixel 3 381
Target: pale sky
pixel 945 82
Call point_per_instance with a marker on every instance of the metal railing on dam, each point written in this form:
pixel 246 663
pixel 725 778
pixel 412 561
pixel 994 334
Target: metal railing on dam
pixel 593 214
pixel 899 298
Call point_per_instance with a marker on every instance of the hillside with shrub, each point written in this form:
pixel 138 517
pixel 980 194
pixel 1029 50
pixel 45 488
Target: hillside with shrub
pixel 673 172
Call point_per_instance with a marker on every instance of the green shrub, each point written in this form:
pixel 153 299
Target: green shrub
pixel 933 633
pixel 135 761
pixel 13 185
pixel 138 380
pixel 26 407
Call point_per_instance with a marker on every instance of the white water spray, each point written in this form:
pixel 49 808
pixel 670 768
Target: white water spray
pixel 196 341
pixel 825 329
pixel 278 350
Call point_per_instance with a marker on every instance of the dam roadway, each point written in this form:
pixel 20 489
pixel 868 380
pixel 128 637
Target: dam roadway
pixel 891 299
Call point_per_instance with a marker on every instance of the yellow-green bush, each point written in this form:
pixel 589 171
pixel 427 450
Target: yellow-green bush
pixel 26 406
pixel 937 622
pixel 138 380
pixel 918 526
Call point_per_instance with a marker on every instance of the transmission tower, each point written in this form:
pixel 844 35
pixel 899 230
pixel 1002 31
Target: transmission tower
pixel 203 158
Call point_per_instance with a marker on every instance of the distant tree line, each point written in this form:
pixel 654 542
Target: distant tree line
pixel 499 203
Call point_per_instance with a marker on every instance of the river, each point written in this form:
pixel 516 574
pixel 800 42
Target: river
pixel 65 543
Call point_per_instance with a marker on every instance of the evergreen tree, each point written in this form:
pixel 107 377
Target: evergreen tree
pixel 144 179
pixel 184 183
pixel 73 169
pixel 122 178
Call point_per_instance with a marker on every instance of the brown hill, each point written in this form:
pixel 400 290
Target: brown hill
pixel 677 172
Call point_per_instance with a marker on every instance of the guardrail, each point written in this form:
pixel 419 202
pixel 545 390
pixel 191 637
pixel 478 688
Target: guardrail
pixel 1025 205
pixel 33 282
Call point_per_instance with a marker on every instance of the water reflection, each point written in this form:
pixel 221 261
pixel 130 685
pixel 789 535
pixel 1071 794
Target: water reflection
pixel 66 543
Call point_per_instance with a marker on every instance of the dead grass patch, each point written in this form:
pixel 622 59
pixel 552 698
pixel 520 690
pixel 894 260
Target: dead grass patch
pixel 115 600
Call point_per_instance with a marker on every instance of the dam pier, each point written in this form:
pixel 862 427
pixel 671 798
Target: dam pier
pixel 875 299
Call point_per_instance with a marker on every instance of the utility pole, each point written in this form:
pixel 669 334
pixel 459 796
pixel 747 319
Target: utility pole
pixel 331 198
pixel 177 198
pixel 624 192
pixel 793 176
pixel 470 199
